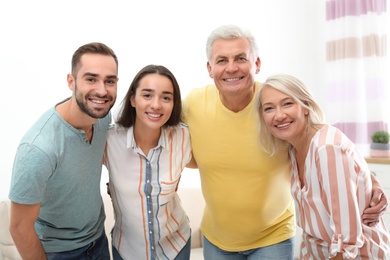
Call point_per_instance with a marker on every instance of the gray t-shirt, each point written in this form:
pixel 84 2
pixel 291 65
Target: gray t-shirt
pixel 56 167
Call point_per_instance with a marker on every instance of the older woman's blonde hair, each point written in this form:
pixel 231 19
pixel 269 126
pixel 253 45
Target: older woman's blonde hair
pixel 294 88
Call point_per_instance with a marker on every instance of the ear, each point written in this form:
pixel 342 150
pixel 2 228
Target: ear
pixel 132 100
pixel 258 65
pixel 71 81
pixel 306 112
pixel 210 70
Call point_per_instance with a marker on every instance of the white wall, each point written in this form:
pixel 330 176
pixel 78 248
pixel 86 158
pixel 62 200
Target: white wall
pixel 39 37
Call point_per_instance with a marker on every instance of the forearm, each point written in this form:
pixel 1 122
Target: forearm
pixel 28 244
pixel 339 256
pixel 23 232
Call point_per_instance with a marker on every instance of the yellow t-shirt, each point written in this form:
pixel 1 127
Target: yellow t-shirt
pixel 247 193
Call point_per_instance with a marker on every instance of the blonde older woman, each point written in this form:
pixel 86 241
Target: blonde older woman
pixel 330 180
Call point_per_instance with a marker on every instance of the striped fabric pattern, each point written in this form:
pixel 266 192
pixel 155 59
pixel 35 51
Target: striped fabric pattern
pixel 150 222
pixel 357 67
pixel 329 206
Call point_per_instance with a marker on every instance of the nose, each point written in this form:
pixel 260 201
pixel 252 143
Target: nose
pixel 156 103
pixel 231 67
pixel 279 114
pixel 101 88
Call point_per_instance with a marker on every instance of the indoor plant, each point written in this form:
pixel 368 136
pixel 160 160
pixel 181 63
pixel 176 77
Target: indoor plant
pixel 380 146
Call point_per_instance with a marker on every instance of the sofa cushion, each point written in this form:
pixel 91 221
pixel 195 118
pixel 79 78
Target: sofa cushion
pixel 5 236
pixel 7 246
pixel 193 203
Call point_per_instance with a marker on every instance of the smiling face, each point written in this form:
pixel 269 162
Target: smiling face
pixel 153 101
pixel 95 85
pixel 232 66
pixel 283 116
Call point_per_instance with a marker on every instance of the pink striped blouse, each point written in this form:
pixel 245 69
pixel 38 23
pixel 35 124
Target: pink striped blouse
pixel 329 206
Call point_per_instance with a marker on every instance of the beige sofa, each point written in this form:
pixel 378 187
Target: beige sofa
pixel 191 198
pixel 8 250
pixel 193 202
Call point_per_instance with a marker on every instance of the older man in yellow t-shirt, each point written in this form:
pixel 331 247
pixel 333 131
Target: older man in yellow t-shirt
pixel 247 193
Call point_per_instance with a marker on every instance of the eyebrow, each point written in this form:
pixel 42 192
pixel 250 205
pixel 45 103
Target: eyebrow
pixel 237 55
pixel 220 56
pixel 282 100
pixel 152 90
pixel 90 74
pixel 265 104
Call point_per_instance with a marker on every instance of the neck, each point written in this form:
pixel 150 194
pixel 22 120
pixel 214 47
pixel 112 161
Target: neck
pixel 72 114
pixel 146 138
pixel 237 103
pixel 302 143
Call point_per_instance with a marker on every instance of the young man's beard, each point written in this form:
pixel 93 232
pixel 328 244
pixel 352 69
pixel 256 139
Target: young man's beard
pixel 100 113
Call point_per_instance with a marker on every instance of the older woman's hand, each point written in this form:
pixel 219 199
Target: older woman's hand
pixel 378 204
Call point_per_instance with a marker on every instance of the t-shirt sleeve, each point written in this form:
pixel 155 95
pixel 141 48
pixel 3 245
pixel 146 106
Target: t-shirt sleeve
pixel 185 107
pixel 31 170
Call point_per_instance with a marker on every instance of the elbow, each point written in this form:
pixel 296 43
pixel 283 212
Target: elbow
pixel 16 230
pixel 20 230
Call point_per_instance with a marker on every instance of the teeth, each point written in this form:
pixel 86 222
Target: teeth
pixel 154 115
pixel 233 79
pixel 97 101
pixel 279 126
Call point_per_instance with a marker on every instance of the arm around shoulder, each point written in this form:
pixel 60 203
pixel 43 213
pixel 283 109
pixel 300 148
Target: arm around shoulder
pixel 23 232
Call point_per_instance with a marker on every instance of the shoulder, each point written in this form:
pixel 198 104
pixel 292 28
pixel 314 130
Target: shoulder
pixel 33 150
pixel 329 134
pixel 46 118
pixel 115 129
pixel 45 129
pixel 107 120
pixel 180 128
pixel 198 92
pixel 177 136
pixel 330 138
pixel 179 133
pixel 199 97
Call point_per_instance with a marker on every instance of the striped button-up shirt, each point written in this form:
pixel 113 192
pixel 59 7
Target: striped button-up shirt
pixel 150 222
pixel 330 205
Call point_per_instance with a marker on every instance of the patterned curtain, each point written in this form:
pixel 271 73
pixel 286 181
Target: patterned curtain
pixel 357 72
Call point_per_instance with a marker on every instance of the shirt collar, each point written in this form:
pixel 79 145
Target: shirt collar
pixel 163 141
